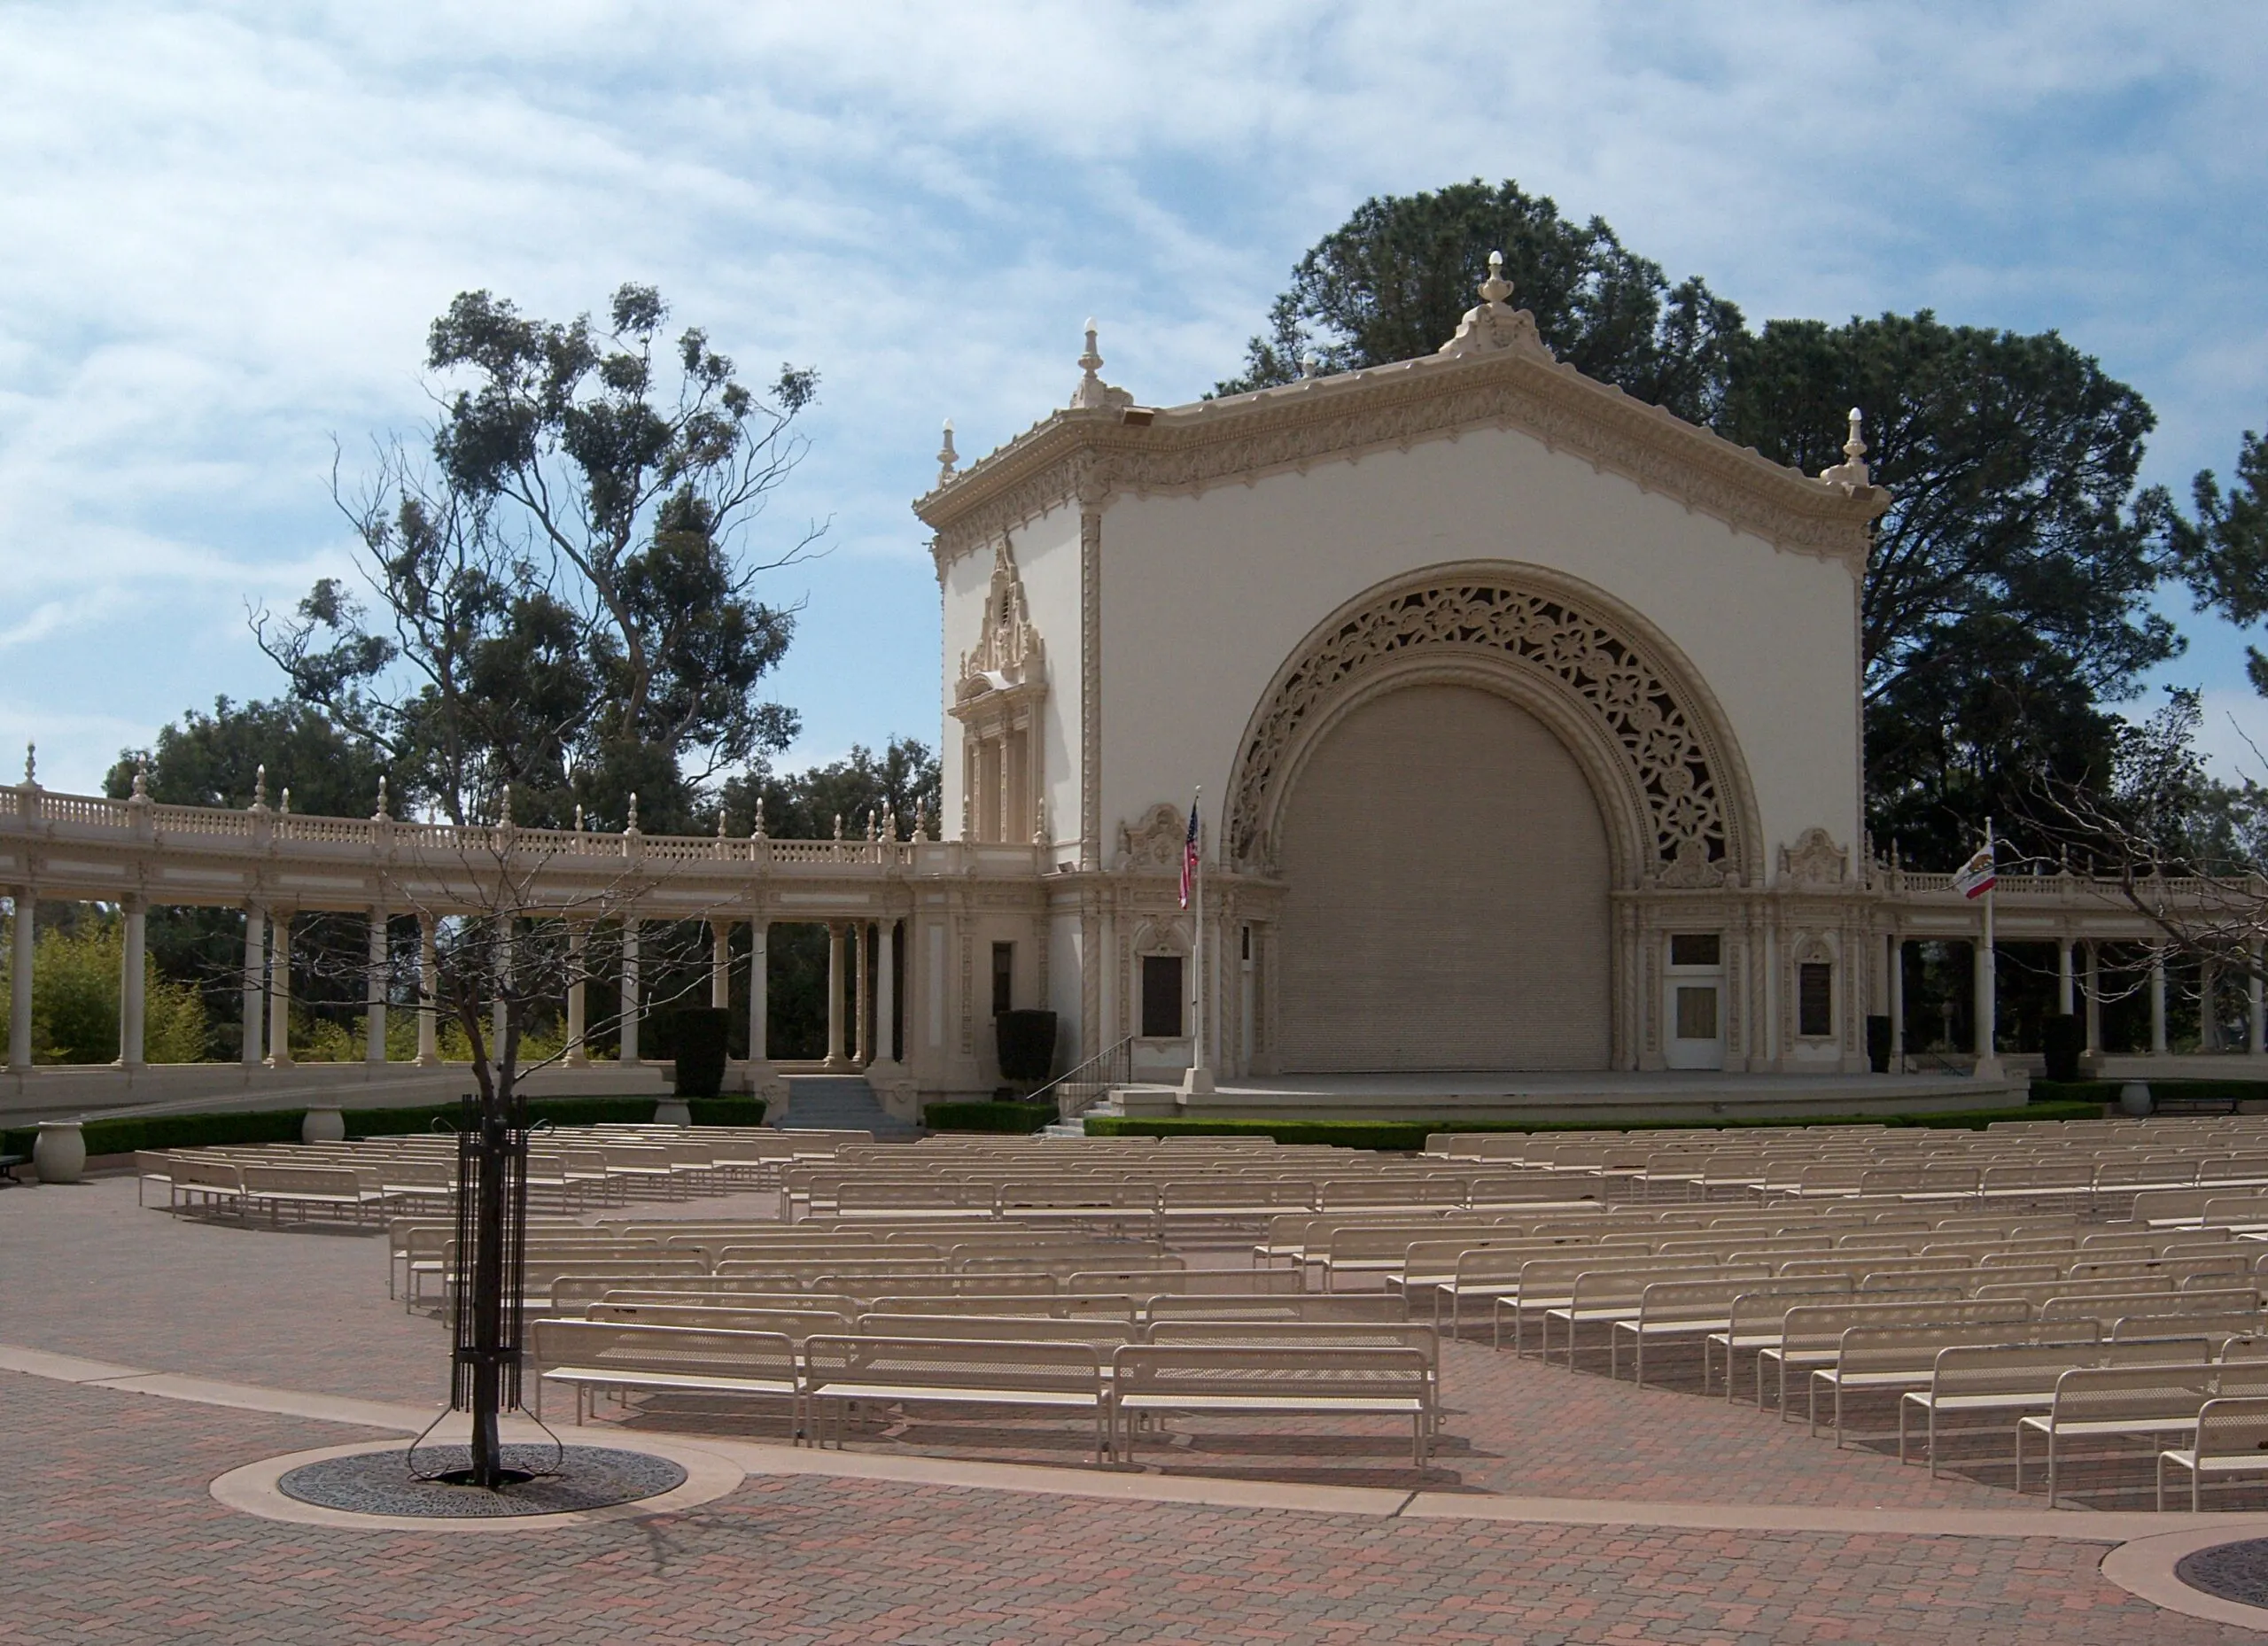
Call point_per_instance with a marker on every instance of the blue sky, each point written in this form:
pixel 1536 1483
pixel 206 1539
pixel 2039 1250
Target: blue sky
pixel 223 230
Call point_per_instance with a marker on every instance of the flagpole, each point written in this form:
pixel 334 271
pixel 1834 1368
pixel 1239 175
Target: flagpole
pixel 1988 1060
pixel 1200 1079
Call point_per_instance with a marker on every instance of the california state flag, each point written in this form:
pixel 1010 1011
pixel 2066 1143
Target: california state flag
pixel 1976 877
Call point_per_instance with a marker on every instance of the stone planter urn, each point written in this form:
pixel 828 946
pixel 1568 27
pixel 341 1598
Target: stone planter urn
pixel 2134 1099
pixel 323 1125
pixel 673 1112
pixel 61 1154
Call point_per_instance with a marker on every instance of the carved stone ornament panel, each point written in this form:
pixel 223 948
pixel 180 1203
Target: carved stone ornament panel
pixel 1549 636
pixel 1007 653
pixel 1814 860
pixel 1154 840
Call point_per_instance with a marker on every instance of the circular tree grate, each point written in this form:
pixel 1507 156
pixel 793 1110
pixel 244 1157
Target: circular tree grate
pixel 2237 1572
pixel 547 1483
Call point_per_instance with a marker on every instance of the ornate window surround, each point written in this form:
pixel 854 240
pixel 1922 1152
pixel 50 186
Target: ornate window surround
pixel 997 697
pixel 1672 787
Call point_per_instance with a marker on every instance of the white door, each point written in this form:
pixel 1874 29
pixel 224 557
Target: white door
pixel 1693 1010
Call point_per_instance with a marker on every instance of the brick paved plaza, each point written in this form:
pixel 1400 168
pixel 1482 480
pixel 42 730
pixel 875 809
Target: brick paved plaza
pixel 1732 1527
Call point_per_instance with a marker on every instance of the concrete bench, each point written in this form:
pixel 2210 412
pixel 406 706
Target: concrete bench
pixel 2230 1441
pixel 892 1370
pixel 1152 1381
pixel 589 1355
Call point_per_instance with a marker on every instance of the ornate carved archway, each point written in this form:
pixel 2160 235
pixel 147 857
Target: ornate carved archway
pixel 1668 775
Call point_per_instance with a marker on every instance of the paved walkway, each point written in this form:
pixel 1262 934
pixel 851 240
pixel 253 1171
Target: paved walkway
pixel 1543 1526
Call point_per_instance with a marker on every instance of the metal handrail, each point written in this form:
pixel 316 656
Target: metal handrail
pixel 1112 1067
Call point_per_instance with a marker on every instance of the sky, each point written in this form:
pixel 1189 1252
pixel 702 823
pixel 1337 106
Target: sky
pixel 224 229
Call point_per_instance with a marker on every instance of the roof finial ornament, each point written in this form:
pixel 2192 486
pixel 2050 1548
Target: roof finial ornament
pixel 31 765
pixel 141 777
pixel 720 821
pixel 1851 474
pixel 758 832
pixel 631 827
pixel 920 822
pixel 1310 364
pixel 579 817
pixel 948 459
pixel 1091 391
pixel 285 809
pixel 1493 322
pixel 381 812
pixel 838 826
pixel 259 788
pixel 504 810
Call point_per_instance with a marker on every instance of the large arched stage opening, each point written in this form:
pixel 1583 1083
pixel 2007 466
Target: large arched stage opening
pixel 1452 774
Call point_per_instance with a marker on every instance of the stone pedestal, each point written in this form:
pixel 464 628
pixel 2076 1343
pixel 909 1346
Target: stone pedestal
pixel 673 1112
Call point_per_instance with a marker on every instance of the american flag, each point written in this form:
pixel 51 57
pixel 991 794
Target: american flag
pixel 1189 855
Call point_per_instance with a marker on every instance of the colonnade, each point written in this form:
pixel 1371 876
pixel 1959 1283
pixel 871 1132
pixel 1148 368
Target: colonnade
pixel 2078 993
pixel 863 1026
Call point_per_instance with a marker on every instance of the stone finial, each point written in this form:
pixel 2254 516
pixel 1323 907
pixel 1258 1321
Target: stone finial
pixel 948 459
pixel 874 830
pixel 579 817
pixel 720 819
pixel 31 765
pixel 1310 364
pixel 1093 394
pixel 381 812
pixel 920 823
pixel 889 820
pixel 1851 474
pixel 286 807
pixel 504 808
pixel 838 826
pixel 758 832
pixel 631 827
pixel 1495 289
pixel 1493 322
pixel 141 778
pixel 1039 836
pixel 259 788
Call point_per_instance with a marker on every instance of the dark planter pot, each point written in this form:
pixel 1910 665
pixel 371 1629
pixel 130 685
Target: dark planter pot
pixel 1027 1041
pixel 1878 1045
pixel 2063 1040
pixel 701 1050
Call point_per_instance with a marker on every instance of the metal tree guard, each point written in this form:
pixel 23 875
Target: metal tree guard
pixel 488 1275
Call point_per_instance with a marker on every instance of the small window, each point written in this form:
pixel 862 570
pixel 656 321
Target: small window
pixel 1697 1014
pixel 1160 996
pixel 1696 949
pixel 1815 1000
pixel 1246 939
pixel 1004 977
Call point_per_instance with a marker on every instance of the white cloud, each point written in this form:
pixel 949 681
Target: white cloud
pixel 228 227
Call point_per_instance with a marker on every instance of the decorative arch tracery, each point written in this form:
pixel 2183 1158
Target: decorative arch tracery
pixel 1612 682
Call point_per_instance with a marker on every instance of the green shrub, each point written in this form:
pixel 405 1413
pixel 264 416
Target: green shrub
pixel 75 1000
pixel 127 1133
pixel 700 1031
pixel 1411 1135
pixel 1011 1117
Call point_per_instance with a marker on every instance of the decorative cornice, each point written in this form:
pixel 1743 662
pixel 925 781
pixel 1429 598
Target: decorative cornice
pixel 1090 453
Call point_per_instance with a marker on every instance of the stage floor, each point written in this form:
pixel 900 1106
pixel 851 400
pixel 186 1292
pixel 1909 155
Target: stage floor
pixel 1588 1095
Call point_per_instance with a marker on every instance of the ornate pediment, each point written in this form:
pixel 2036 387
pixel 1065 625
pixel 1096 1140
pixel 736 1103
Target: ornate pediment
pixel 1154 839
pixel 1008 654
pixel 1814 860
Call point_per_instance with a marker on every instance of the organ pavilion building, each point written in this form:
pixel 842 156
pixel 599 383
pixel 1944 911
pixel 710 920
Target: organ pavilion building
pixel 1526 716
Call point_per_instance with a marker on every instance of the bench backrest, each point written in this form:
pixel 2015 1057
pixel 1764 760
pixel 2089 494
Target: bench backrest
pixel 1102 1333
pixel 2107 1307
pixel 1148 1282
pixel 341 1181
pixel 1914 1348
pixel 2172 1389
pixel 1049 1306
pixel 1302 1334
pixel 1309 1371
pixel 1969 1369
pixel 955 1364
pixel 1817 1327
pixel 1310 1305
pixel 1626 1288
pixel 690 1351
pixel 798 1323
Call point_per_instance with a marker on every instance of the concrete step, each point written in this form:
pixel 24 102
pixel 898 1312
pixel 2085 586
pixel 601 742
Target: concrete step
pixel 841 1103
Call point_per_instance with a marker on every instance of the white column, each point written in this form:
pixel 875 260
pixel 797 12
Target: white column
pixel 1897 1003
pixel 720 963
pixel 835 1058
pixel 578 1055
pixel 2064 979
pixel 2094 997
pixel 2256 1031
pixel 133 1003
pixel 885 1045
pixel 279 991
pixel 19 978
pixel 629 1053
pixel 862 997
pixel 2157 1003
pixel 1987 999
pixel 374 992
pixel 429 994
pixel 759 995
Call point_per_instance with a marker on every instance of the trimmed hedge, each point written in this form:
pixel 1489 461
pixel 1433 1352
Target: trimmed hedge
pixel 1410 1136
pixel 127 1133
pixel 2107 1091
pixel 1011 1117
